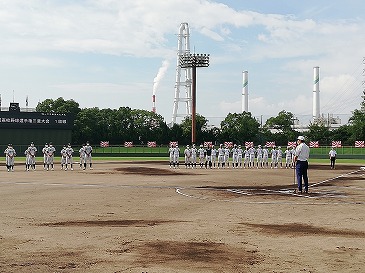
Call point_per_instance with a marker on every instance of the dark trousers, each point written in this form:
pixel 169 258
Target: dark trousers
pixel 333 160
pixel 302 172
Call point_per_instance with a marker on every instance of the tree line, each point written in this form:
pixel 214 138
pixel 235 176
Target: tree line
pixel 140 126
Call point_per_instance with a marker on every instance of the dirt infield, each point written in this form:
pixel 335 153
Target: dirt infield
pixel 146 217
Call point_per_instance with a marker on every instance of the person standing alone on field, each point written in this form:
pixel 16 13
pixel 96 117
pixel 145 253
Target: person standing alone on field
pixel 332 154
pixel 301 160
pixel 88 156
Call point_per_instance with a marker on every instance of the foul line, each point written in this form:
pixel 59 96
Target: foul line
pixel 284 191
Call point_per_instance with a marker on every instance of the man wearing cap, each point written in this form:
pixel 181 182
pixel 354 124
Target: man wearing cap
pixel 9 156
pixel 301 159
pixel 187 154
pixel 332 154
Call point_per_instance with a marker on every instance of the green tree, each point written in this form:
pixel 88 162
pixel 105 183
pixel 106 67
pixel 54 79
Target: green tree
pixel 344 134
pixel 357 122
pixel 59 106
pixel 240 128
pixel 201 129
pixel 148 126
pixel 281 127
pixel 90 126
pixel 319 132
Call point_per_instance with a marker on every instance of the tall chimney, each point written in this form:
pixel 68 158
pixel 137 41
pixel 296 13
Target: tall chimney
pixel 316 111
pixel 154 103
pixel 245 92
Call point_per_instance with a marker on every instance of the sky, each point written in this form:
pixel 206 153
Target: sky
pixel 107 54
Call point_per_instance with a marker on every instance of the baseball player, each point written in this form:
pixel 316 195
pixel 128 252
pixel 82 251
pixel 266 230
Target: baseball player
pixel 246 157
pixel 214 156
pixel 176 156
pixel 88 157
pixel 274 161
pixel 239 155
pixel 279 157
pixel 208 157
pixel 259 158
pixel 82 156
pixel 252 151
pixel 226 156
pixel 9 157
pixel 63 157
pixel 187 154
pixel 30 154
pixel 221 156
pixel 69 159
pixel 265 157
pixel 45 155
pixel 201 153
pixel 234 156
pixel 51 153
pixel 288 158
pixel 193 156
pixel 292 156
pixel 171 155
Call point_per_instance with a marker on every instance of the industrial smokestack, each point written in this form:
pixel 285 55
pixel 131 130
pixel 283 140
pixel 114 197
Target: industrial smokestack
pixel 316 111
pixel 245 92
pixel 154 103
pixel 156 81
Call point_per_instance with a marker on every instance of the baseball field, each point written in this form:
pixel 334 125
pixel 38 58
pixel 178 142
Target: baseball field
pixel 142 216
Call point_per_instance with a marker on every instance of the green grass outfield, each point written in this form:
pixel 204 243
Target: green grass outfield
pixel 39 160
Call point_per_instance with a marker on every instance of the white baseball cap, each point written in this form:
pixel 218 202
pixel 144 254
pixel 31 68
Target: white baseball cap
pixel 301 138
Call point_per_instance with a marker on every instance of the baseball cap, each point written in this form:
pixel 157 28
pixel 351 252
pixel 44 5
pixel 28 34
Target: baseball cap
pixel 301 138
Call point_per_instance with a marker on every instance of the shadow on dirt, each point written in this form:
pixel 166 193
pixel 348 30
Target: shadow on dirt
pixel 299 229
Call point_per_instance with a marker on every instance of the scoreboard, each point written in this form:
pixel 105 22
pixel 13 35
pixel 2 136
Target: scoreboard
pixel 35 120
pixel 21 128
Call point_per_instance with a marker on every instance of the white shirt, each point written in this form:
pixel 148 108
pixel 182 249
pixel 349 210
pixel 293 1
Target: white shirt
pixel 302 152
pixel 332 153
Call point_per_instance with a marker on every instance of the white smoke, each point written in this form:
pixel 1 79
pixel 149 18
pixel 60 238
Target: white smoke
pixel 160 74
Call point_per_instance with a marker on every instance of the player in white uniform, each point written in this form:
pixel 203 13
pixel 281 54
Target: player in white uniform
pixel 187 154
pixel 226 156
pixel 288 158
pixel 69 157
pixel 252 151
pixel 274 161
pixel 88 156
pixel 239 155
pixel 214 156
pixel 259 158
pixel 51 153
pixel 45 155
pixel 171 155
pixel 246 157
pixel 193 156
pixel 63 157
pixel 9 157
pixel 176 157
pixel 201 153
pixel 234 156
pixel 265 157
pixel 279 157
pixel 292 157
pixel 82 156
pixel 221 156
pixel 30 157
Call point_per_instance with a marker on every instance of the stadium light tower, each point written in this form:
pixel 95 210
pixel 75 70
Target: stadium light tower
pixel 193 61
